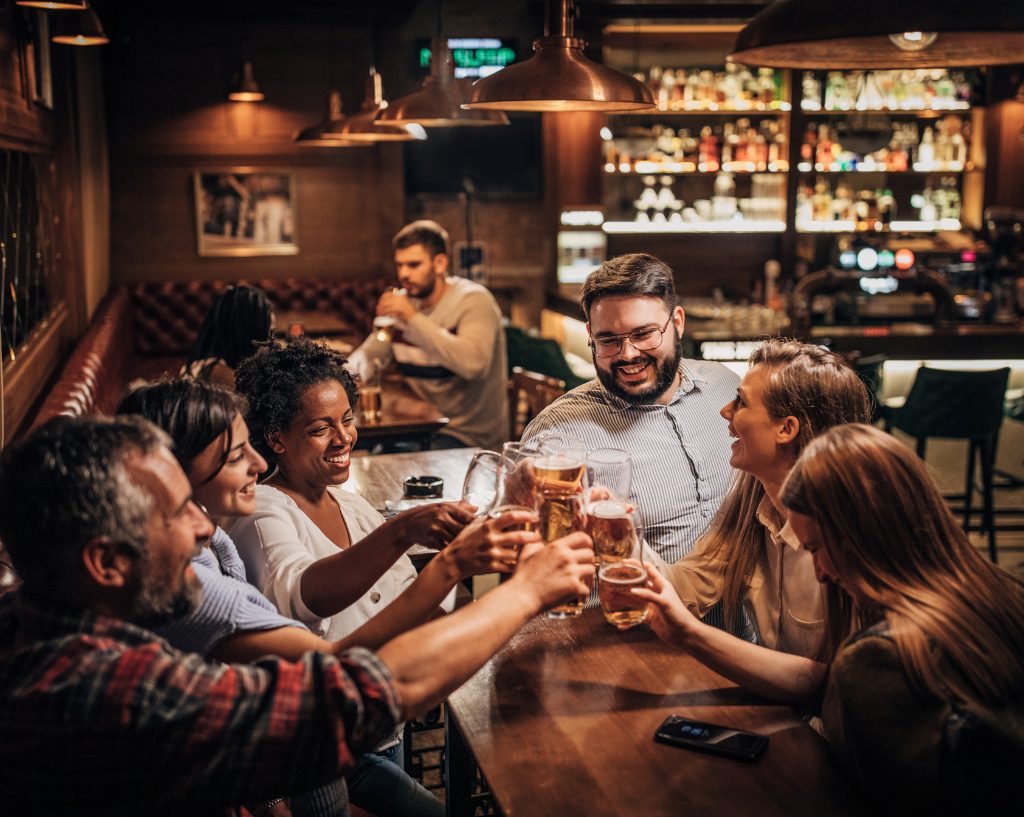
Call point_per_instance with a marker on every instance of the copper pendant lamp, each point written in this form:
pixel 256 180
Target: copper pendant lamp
pixel 53 5
pixel 438 103
pixel 244 87
pixel 558 77
pixel 364 126
pixel 323 133
pixel 883 34
pixel 79 28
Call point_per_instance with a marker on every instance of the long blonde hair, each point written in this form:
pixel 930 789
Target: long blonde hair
pixel 956 619
pixel 818 388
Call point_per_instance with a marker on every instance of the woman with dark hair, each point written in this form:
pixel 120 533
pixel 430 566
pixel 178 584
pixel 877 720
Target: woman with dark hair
pixel 235 622
pixel 240 318
pixel 323 555
pixel 749 559
pixel 924 705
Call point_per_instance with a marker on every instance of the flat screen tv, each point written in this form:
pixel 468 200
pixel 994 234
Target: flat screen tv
pixel 501 162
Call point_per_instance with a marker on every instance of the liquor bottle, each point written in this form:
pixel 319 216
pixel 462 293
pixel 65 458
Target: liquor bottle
pixel 810 92
pixel 926 150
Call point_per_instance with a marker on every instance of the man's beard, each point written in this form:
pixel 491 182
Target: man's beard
pixel 424 291
pixel 665 373
pixel 155 604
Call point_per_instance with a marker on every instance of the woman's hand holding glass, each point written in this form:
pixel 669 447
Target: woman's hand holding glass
pixel 432 525
pixel 492 544
pixel 670 619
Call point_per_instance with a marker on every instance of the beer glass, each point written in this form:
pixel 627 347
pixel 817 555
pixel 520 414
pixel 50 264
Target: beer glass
pixel 517 483
pixel 609 474
pixel 621 567
pixel 384 327
pixel 370 394
pixel 560 513
pixel 480 487
pixel 500 510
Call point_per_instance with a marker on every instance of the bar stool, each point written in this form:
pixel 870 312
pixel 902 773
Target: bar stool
pixel 958 406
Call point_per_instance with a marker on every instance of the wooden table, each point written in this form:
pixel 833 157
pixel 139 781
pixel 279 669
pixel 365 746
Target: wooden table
pixel 381 477
pixel 405 417
pixel 561 722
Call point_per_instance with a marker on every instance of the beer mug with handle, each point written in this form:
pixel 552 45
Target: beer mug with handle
pixel 480 487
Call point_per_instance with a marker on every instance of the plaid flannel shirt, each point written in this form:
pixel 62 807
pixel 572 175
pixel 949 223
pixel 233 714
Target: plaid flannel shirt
pixel 100 717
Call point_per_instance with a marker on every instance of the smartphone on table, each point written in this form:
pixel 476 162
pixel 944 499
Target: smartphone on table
pixel 711 738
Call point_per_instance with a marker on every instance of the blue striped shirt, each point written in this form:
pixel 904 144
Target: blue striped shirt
pixel 680 451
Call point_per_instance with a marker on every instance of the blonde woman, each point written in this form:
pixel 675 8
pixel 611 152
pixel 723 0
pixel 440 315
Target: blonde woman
pixel 750 559
pixel 925 703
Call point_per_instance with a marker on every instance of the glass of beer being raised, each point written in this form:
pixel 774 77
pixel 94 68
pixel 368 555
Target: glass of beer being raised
pixel 560 513
pixel 501 510
pixel 620 565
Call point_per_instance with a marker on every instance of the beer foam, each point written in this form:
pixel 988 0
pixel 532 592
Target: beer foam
pixel 609 509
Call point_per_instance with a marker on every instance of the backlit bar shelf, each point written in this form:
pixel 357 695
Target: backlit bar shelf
pixel 871 167
pixel 690 168
pixel 731 226
pixel 846 226
pixel 959 105
pixel 698 108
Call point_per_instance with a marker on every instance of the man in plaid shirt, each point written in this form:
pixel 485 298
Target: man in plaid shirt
pixel 99 716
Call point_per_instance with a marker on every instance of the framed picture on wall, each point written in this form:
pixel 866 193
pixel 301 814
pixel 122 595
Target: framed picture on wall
pixel 245 211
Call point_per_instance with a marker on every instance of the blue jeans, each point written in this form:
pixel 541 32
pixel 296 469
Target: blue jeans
pixel 380 785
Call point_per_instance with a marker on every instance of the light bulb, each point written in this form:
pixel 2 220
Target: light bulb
pixel 913 40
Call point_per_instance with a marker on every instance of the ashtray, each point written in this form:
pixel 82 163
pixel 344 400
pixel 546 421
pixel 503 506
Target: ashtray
pixel 424 486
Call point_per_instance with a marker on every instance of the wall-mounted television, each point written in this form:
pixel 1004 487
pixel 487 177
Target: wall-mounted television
pixel 502 162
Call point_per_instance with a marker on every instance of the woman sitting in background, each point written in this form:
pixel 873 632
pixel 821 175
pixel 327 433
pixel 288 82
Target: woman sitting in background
pixel 235 622
pixel 240 318
pixel 925 703
pixel 750 558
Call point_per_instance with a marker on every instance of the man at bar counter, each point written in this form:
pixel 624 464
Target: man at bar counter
pixel 447 340
pixel 648 400
pixel 99 716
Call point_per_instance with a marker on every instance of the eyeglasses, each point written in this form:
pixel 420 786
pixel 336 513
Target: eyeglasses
pixel 643 340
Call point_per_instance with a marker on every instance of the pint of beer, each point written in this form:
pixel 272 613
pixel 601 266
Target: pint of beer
pixel 610 524
pixel 559 515
pixel 614 581
pixel 370 403
pixel 500 511
pixel 559 474
pixel 384 326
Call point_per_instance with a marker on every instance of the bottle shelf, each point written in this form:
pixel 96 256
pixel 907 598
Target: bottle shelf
pixel 730 226
pixel 701 109
pixel 919 168
pixel 846 226
pixel 924 113
pixel 643 168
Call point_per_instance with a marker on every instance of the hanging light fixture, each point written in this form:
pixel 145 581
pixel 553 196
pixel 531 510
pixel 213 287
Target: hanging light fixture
pixel 324 133
pixel 244 87
pixel 53 5
pixel 80 28
pixel 364 127
pixel 883 34
pixel 558 77
pixel 438 103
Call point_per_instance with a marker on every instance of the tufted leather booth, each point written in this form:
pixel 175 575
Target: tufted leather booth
pixel 168 315
pixel 148 330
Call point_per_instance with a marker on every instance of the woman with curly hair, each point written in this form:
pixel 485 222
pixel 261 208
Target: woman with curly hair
pixel 924 705
pixel 749 559
pixel 323 555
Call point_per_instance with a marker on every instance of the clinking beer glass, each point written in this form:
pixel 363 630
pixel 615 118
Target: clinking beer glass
pixel 559 480
pixel 617 531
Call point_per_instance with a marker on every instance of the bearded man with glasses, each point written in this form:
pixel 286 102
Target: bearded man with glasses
pixel 651 402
